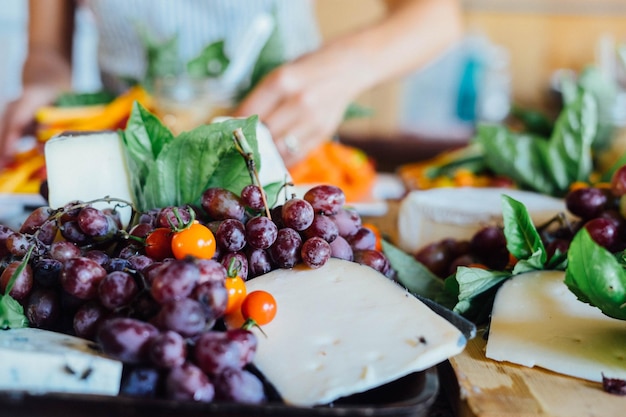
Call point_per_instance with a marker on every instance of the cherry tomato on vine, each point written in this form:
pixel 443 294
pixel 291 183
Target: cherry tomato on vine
pixel 258 308
pixel 236 290
pixel 196 240
pixel 158 244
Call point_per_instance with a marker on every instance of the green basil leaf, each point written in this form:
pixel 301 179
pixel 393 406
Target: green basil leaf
pixel 518 156
pixel 477 289
pixel 569 152
pixel 414 276
pixel 144 138
pixel 595 276
pixel 522 238
pixel 11 313
pixel 198 159
pixel 211 62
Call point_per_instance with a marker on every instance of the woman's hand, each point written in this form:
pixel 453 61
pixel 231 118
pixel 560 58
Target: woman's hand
pixel 18 118
pixel 303 102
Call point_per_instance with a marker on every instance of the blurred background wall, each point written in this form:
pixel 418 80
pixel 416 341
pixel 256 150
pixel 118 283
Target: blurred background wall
pixel 516 47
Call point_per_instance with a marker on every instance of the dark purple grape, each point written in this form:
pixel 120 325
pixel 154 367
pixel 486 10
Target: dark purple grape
pixel 46 272
pixel 22 285
pixel 239 386
pixel 373 259
pixel 117 264
pixel 139 262
pixel 81 277
pixel 462 260
pixel 63 250
pixel 348 221
pixel 99 256
pixel 285 252
pixel 297 214
pixel 126 339
pixel 231 235
pixel 364 238
pixel 315 252
pixel 259 262
pixel 189 383
pixel 5 232
pixel 618 182
pixel 72 232
pixel 185 316
pixel 168 350
pixel 173 217
pixel 43 308
pixel 239 261
pixel 175 280
pixel 221 204
pixel 323 227
pixel 210 271
pixel 341 249
pixel 17 244
pixel 436 257
pixel 141 230
pixel 88 318
pixel 95 224
pixel 117 289
pixel 602 231
pixel 216 351
pixel 261 232
pixel 489 245
pixel 38 223
pixel 327 199
pixel 252 197
pixel 213 297
pixel 586 202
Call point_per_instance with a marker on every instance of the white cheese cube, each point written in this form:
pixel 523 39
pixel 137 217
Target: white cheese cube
pixel 344 329
pixel 537 321
pixel 88 166
pixel 41 361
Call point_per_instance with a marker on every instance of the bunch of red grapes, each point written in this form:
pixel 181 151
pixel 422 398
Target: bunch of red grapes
pixel 601 209
pixel 163 314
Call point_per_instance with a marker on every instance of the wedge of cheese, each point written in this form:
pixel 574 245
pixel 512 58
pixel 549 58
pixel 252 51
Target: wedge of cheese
pixel 86 167
pixel 537 321
pixel 41 361
pixel 344 329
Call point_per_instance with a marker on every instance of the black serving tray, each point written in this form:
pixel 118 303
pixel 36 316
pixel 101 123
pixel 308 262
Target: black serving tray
pixel 410 396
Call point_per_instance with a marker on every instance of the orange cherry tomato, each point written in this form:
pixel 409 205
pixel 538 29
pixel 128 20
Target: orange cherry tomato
pixel 158 244
pixel 259 307
pixel 236 290
pixel 196 240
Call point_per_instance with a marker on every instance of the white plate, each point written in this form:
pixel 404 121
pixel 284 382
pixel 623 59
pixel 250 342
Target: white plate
pixel 15 206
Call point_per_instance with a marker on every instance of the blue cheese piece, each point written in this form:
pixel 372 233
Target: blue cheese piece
pixel 344 329
pixel 42 361
pixel 537 321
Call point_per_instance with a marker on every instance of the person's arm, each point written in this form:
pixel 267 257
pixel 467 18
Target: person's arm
pixel 303 102
pixel 46 71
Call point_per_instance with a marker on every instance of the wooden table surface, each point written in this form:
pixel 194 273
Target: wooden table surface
pixel 479 387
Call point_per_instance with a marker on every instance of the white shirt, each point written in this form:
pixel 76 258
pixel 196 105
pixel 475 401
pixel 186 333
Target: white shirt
pixel 196 23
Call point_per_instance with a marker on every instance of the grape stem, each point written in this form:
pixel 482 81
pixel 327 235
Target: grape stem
pixel 243 147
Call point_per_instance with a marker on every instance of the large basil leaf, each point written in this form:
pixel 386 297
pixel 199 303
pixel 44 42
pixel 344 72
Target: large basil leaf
pixel 517 156
pixel 203 157
pixel 595 276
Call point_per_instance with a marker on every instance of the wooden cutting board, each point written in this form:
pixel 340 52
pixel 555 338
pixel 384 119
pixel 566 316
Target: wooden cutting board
pixel 481 387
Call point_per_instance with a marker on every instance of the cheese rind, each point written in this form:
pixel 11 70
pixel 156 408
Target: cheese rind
pixel 537 321
pixel 88 166
pixel 344 329
pixel 42 361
